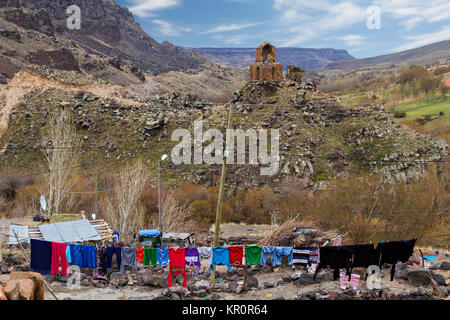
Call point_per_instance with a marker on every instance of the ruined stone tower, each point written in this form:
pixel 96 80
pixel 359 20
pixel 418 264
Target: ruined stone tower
pixel 265 67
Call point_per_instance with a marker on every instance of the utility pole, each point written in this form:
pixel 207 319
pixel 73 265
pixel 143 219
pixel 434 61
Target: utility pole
pixel 96 195
pixel 221 191
pixel 159 198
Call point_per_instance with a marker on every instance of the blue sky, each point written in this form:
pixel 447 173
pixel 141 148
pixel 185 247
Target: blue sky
pixel 364 28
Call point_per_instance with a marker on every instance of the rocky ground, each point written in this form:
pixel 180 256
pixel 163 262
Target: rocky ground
pixel 411 282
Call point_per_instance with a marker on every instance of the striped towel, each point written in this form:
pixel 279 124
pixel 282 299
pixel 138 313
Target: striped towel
pixel 353 281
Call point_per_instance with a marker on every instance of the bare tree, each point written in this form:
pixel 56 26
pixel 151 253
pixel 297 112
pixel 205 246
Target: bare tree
pixel 122 205
pixel 62 154
pixel 176 218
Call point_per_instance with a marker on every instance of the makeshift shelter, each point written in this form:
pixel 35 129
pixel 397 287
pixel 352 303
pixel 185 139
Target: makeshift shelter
pixel 172 239
pixel 70 231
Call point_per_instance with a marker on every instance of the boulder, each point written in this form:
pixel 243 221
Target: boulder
pixel 20 289
pixel 445 265
pixel 37 280
pixel 438 278
pixel 2 294
pixel 419 277
pixel 4 278
pixel 252 282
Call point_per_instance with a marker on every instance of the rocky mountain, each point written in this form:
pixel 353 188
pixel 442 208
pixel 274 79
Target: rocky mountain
pixel 422 55
pixel 109 45
pixel 306 58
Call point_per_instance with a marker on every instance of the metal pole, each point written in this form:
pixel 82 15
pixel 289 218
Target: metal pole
pixel 159 199
pixel 220 197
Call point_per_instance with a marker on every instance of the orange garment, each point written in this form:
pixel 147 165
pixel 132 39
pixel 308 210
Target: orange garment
pixel 140 254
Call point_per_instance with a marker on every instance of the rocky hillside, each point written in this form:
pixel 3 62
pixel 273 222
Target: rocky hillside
pixel 110 44
pixel 319 138
pixel 307 58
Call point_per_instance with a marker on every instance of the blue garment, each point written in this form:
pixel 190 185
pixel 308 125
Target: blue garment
pixel 266 251
pixel 163 256
pixel 110 251
pixel 286 251
pixel 76 257
pixel 41 256
pixel 220 256
pixel 89 257
pixel 68 257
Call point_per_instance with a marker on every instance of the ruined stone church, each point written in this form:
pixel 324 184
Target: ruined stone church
pixel 265 67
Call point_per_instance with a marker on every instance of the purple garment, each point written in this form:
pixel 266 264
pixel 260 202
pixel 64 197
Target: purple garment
pixel 192 258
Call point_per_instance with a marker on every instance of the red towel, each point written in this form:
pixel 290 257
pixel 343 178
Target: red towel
pixel 59 251
pixel 177 264
pixel 140 254
pixel 236 255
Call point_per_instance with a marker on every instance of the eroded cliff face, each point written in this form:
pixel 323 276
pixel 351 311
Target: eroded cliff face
pixel 36 32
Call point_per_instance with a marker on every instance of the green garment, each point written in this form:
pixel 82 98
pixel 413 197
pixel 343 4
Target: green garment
pixel 150 256
pixel 253 254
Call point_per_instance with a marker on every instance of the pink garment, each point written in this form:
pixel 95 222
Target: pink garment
pixel 337 242
pixel 59 251
pixel 353 281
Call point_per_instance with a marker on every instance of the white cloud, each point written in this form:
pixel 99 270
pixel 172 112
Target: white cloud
pixel 424 39
pixel 145 8
pixel 230 27
pixel 307 19
pixel 410 10
pixel 352 39
pixel 168 29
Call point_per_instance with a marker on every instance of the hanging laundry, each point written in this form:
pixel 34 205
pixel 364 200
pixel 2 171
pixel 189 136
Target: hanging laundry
pixel 110 251
pixel 128 258
pixel 353 282
pixel 89 257
pixel 68 257
pixel 236 255
pixel 41 256
pixel 76 257
pixel 162 256
pixel 253 254
pixel 59 253
pixel 301 255
pixel 266 252
pixel 313 255
pixel 364 255
pixel 220 256
pixel 150 256
pixel 205 253
pixel 140 254
pixel 395 251
pixel 177 264
pixel 285 252
pixel 101 273
pixel 192 258
pixel 335 258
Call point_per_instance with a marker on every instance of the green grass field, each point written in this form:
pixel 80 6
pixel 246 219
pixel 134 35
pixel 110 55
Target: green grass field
pixel 428 106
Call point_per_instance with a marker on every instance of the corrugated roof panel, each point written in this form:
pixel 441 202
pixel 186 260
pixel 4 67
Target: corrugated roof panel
pixel 21 231
pixel 50 232
pixel 70 231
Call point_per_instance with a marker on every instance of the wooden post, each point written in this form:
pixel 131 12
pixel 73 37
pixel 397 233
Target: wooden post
pixel 220 197
pixel 159 199
pixel 28 260
pixel 96 195
pixel 244 287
